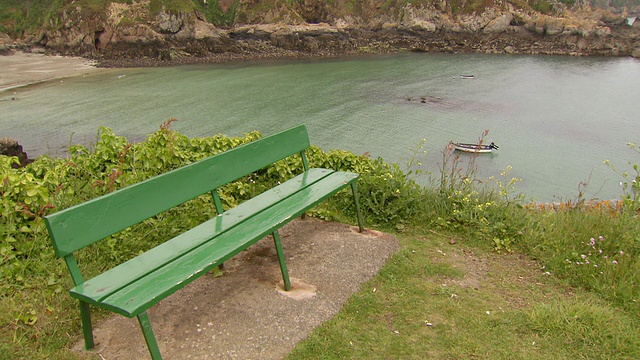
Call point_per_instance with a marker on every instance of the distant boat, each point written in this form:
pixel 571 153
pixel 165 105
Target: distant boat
pixel 475 148
pixel 467 76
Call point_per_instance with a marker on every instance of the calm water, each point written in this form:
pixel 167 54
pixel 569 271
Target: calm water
pixel 556 119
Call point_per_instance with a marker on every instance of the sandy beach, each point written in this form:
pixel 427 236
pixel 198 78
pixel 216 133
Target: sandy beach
pixel 20 69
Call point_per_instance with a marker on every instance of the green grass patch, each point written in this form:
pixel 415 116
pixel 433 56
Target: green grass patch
pixel 441 301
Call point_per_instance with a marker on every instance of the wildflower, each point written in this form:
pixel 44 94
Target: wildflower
pixel 615 262
pixel 600 251
pixel 587 261
pixel 600 238
pixel 583 256
pixel 595 265
pixel 621 252
pixel 592 242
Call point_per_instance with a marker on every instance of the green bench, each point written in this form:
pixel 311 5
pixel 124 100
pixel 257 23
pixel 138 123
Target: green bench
pixel 134 286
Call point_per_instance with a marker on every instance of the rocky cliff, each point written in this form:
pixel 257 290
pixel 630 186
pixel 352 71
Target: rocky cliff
pixel 142 32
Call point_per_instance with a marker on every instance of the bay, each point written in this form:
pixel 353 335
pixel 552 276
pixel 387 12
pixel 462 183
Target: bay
pixel 556 119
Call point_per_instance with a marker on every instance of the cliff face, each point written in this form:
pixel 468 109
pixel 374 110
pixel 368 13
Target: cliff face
pixel 142 30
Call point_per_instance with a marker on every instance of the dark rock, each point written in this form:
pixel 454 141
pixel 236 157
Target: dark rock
pixel 10 147
pixel 5 44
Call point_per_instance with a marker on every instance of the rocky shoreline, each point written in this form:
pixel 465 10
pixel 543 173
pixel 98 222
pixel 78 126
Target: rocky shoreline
pixel 281 41
pixel 169 38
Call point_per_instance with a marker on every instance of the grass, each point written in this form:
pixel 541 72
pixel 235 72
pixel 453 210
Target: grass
pixel 439 300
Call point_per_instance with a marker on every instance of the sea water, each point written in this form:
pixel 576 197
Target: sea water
pixel 556 119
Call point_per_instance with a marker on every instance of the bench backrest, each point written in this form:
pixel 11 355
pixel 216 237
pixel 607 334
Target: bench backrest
pixel 82 225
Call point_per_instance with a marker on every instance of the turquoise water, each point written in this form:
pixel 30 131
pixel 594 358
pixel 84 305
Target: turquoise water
pixel 556 119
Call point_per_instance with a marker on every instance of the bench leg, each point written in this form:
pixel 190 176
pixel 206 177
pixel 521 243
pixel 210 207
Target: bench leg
pixel 87 328
pixel 354 189
pixel 149 338
pixel 281 260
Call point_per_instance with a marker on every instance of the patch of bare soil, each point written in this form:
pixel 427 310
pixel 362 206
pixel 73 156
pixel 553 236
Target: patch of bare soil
pixel 244 314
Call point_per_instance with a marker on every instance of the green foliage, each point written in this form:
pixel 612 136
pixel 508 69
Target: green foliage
pixel 215 14
pixel 483 210
pixel 468 6
pixel 569 3
pixel 595 249
pixel 542 6
pixel 28 16
pixel 585 323
pixel 170 6
pixel 22 17
pixel 630 183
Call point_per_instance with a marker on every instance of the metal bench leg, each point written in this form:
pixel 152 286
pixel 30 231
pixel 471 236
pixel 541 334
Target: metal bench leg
pixel 87 328
pixel 149 338
pixel 354 189
pixel 281 260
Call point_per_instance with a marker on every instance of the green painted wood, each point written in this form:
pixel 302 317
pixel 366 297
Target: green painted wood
pixel 155 286
pixel 72 265
pixel 305 163
pixel 282 261
pixel 101 286
pixel 87 328
pixel 79 226
pixel 354 191
pixel 217 201
pixel 149 337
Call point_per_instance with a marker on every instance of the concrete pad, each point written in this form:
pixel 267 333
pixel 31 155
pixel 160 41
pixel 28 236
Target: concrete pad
pixel 243 314
pixel 299 290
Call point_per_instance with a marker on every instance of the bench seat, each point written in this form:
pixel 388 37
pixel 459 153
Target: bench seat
pixel 136 285
pixel 132 287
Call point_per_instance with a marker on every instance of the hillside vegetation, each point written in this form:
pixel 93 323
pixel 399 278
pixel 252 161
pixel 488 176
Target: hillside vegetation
pixel 22 17
pixel 170 30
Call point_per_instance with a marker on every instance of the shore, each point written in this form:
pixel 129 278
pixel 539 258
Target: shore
pixel 21 69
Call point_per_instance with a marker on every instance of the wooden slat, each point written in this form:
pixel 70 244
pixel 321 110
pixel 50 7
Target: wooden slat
pixel 147 291
pixel 112 280
pixel 79 226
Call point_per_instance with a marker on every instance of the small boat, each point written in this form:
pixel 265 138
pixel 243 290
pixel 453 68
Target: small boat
pixel 467 76
pixel 475 148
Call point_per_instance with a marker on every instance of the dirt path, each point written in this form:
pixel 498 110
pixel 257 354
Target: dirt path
pixel 242 314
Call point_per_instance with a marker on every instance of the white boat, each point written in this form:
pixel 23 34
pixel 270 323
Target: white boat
pixel 467 76
pixel 475 148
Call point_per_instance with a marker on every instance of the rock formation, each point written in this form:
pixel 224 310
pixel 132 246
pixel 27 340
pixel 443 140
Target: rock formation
pixel 10 147
pixel 310 27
